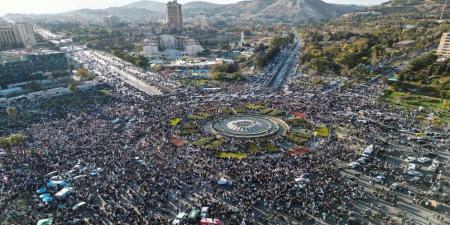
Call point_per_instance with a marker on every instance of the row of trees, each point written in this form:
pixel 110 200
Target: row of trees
pixel 263 56
pixel 136 59
pixel 224 71
pixel 331 48
pixel 12 140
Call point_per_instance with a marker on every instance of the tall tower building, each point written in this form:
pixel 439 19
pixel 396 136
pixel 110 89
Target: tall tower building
pixel 242 38
pixel 174 16
pixel 16 34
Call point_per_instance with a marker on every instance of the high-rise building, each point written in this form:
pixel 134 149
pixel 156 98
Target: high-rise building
pixel 8 36
pixel 111 21
pixel 444 46
pixel 17 34
pixel 26 34
pixel 174 16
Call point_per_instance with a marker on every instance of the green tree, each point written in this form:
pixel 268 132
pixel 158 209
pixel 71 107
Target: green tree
pixel 72 87
pixel 12 112
pixel 33 86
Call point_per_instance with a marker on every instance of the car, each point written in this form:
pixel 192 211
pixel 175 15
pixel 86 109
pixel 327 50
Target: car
pixel 423 159
pixel 433 167
pixel 303 178
pixel 412 166
pixel 414 173
pixel 410 159
pixel 181 217
pixel 379 179
pixel 362 160
pixel 204 212
pixel 353 165
pixel 193 216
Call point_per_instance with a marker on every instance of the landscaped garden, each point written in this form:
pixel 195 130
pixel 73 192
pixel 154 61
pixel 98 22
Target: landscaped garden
pixel 295 133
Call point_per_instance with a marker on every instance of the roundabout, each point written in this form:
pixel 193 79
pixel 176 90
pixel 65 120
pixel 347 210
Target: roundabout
pixel 247 126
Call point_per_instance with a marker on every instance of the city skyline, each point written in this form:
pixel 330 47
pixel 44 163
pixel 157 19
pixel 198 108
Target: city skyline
pixel 52 6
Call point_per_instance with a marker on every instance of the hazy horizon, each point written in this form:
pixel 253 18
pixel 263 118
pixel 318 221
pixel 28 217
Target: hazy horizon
pixel 57 6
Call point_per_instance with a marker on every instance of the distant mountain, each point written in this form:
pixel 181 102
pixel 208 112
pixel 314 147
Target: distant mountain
pixel 297 10
pixel 188 8
pixel 148 5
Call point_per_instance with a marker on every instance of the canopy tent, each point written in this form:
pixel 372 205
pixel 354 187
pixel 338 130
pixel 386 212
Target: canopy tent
pixel 56 183
pixel 64 192
pixel 48 221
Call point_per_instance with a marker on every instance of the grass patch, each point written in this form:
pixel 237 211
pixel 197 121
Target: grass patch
pixel 198 116
pixel 269 147
pixel 297 122
pixel 215 144
pixel 296 139
pixel 322 132
pixel 105 92
pixel 252 106
pixel 189 128
pixel 233 155
pixel 175 121
pixel 203 141
pixel 227 110
pixel 240 110
pixel 265 111
pixel 253 147
pixel 412 101
pixel 276 112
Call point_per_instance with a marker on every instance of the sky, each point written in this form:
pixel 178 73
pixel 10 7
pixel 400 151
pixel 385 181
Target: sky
pixel 56 6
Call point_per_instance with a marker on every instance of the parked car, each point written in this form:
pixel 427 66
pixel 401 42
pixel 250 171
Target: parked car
pixel 193 216
pixel 433 167
pixel 204 212
pixel 379 179
pixel 410 159
pixel 414 173
pixel 353 165
pixel 181 217
pixel 412 166
pixel 423 159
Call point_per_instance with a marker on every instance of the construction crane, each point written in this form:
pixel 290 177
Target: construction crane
pixel 442 14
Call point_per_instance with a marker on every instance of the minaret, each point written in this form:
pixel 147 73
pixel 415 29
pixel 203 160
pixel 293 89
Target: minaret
pixel 242 38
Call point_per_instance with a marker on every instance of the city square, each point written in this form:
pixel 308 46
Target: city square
pixel 248 113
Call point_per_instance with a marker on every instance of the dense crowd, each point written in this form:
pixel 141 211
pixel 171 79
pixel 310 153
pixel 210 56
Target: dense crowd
pixel 136 176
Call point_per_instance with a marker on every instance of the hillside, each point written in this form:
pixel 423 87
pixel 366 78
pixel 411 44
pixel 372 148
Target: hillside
pixel 297 10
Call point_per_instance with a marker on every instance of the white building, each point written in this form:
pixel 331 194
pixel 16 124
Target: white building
pixel 191 47
pixel 168 42
pixel 19 33
pixel 443 50
pixel 151 50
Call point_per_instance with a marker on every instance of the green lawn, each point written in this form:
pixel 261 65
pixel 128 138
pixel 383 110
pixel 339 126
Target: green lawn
pixel 413 102
pixel 203 141
pixel 322 132
pixel 175 121
pixel 233 155
pixel 215 144
pixel 252 106
pixel 198 116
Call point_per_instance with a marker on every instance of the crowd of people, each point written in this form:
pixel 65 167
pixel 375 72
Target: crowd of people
pixel 134 175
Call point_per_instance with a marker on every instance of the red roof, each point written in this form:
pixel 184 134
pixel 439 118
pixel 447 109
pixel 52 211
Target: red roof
pixel 299 115
pixel 299 151
pixel 177 141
